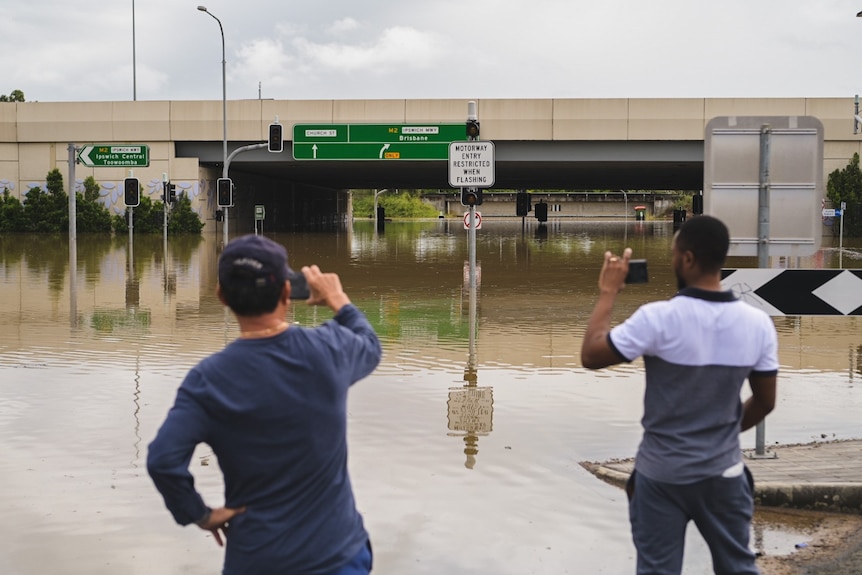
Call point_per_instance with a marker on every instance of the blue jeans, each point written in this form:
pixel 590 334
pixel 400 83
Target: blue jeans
pixel 721 508
pixel 360 564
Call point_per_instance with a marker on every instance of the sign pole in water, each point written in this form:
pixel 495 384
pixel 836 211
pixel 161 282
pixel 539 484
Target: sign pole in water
pixel 472 117
pixel 763 260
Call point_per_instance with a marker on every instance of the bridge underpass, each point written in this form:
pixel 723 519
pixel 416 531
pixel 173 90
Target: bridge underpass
pixel 309 194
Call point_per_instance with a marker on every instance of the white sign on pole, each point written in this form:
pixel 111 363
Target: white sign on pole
pixel 732 181
pixel 471 164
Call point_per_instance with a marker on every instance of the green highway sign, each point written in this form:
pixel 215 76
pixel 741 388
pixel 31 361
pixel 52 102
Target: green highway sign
pixel 115 156
pixel 365 151
pixel 375 141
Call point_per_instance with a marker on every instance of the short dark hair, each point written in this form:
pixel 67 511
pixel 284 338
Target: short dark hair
pixel 707 238
pixel 250 300
pixel 252 271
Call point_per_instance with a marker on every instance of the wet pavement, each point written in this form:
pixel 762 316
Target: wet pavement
pixel 823 476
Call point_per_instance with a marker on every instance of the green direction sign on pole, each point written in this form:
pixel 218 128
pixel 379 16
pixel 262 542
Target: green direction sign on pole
pixel 375 141
pixel 115 156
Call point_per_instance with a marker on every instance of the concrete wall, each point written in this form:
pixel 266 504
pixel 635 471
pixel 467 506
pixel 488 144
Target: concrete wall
pixel 34 136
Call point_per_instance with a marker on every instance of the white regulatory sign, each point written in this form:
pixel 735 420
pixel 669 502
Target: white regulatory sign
pixel 467 221
pixel 471 164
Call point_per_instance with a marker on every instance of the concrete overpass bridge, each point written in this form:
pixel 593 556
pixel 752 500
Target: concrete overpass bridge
pixel 571 144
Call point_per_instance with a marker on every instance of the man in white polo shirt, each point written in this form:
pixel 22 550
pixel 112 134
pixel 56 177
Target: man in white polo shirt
pixel 699 347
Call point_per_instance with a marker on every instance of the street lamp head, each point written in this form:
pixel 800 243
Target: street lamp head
pixel 202 8
pixel 859 14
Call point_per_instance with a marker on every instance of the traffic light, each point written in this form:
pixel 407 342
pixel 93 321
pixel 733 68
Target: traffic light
pixel 522 204
pixel 473 129
pixel 542 212
pixel 276 140
pixel 697 204
pixel 471 197
pixel 132 192
pixel 170 192
pixel 225 192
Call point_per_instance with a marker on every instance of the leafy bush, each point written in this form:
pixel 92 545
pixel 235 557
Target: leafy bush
pixel 147 219
pixel 401 204
pixel 182 220
pixel 91 215
pixel 11 213
pixel 846 186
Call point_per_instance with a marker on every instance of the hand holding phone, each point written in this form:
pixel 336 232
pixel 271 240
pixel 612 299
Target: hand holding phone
pixel 298 286
pixel 637 272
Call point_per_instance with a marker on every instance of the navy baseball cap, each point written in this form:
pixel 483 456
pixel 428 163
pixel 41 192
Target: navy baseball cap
pixel 253 261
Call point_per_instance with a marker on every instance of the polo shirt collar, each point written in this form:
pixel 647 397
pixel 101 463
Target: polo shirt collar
pixel 707 295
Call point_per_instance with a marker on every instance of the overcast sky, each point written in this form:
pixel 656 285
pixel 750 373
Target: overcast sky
pixel 58 50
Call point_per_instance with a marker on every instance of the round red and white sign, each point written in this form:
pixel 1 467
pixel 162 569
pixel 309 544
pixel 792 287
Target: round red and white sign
pixel 467 221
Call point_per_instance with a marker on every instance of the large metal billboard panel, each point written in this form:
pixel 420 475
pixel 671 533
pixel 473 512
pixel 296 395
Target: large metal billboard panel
pixel 732 181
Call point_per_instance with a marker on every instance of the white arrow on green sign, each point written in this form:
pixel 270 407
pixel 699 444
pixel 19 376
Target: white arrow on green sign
pixel 374 141
pixel 115 156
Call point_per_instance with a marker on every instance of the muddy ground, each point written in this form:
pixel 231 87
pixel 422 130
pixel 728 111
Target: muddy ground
pixel 829 543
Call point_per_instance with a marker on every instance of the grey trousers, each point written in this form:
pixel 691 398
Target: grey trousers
pixel 720 507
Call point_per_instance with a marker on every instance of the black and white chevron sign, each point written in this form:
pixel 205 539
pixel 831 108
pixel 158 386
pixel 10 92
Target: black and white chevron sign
pixel 797 291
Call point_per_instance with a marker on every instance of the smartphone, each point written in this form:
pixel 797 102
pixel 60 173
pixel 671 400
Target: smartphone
pixel 637 272
pixel 298 286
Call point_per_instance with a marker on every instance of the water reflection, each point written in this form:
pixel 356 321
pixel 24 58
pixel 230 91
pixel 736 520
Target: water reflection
pixel 471 429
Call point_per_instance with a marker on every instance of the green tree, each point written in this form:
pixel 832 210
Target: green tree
pixel 148 218
pixel 846 186
pixel 14 96
pixel 11 213
pixel 39 212
pixel 92 215
pixel 183 220
pixel 47 211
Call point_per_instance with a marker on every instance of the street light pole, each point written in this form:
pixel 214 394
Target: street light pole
pixel 134 57
pixel 223 112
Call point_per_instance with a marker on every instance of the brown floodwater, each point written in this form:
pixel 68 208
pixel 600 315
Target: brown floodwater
pixel 464 444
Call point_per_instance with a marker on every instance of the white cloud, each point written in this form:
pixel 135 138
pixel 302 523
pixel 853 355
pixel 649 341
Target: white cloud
pixel 396 46
pixel 343 25
pixel 440 49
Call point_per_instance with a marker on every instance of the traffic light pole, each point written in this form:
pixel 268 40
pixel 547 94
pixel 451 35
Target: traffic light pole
pixel 225 175
pixel 73 239
pixel 471 233
pixel 165 211
pixel 131 217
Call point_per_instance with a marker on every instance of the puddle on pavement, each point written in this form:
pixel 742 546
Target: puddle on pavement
pixel 781 532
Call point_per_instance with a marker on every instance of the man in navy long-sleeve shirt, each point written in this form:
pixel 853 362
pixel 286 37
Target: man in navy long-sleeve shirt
pixel 272 405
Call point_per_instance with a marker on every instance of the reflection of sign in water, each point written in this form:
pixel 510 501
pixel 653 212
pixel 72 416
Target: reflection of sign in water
pixel 471 409
pixel 467 274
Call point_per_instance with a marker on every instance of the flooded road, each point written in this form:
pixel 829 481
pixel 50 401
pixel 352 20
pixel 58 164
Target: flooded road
pixel 465 458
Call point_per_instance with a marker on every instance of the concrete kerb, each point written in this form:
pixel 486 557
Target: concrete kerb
pixel 835 497
pixel 838 497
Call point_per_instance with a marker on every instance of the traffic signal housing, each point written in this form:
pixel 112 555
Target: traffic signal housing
pixel 276 138
pixel 132 192
pixel 471 197
pixel 472 129
pixel 522 204
pixel 170 192
pixel 542 212
pixel 225 192
pixel 697 204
